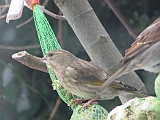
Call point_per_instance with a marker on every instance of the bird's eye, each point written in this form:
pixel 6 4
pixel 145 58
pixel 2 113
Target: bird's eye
pixel 50 54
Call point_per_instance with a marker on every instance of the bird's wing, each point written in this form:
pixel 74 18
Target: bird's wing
pixel 148 37
pixel 86 72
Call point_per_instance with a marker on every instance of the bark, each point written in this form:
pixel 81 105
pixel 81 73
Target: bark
pixel 30 61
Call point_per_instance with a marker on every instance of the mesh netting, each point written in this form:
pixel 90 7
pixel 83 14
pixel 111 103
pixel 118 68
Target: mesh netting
pixel 93 112
pixel 49 42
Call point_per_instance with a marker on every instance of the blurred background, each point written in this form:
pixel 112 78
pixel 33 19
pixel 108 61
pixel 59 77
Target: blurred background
pixel 26 94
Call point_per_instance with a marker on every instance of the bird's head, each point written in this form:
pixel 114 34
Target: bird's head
pixel 57 56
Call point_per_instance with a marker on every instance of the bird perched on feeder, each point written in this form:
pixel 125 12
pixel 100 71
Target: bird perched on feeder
pixel 83 78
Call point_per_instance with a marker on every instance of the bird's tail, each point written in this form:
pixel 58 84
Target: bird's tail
pixel 116 75
pixel 141 94
pixel 127 89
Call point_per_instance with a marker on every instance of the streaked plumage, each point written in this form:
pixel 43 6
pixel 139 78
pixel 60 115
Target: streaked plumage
pixel 83 78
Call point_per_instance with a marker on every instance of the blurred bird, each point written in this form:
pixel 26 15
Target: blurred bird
pixel 83 78
pixel 144 53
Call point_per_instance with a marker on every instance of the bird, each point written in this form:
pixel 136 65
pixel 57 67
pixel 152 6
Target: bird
pixel 144 53
pixel 83 78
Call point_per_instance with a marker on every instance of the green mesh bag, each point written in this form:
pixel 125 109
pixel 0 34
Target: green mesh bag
pixel 49 42
pixel 157 86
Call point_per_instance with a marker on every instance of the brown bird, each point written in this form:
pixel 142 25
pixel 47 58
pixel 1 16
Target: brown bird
pixel 83 78
pixel 144 53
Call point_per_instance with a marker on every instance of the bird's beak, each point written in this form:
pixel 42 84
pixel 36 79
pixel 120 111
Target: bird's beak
pixel 44 59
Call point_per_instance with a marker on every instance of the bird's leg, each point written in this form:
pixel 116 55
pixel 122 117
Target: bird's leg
pixel 76 101
pixel 89 102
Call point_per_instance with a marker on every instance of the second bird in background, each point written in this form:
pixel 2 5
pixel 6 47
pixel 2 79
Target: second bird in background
pixel 144 53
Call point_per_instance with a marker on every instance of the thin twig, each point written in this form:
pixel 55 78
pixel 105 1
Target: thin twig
pixel 59 34
pixel 20 47
pixel 33 80
pixel 3 16
pixel 3 10
pixel 53 15
pixel 25 22
pixel 55 109
pixel 4 6
pixel 122 18
pixel 45 2
pixel 20 78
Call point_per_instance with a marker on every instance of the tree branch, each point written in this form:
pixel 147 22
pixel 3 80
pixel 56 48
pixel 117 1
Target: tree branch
pixel 58 102
pixel 30 61
pixel 25 22
pixel 59 34
pixel 19 47
pixel 53 15
pixel 122 18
